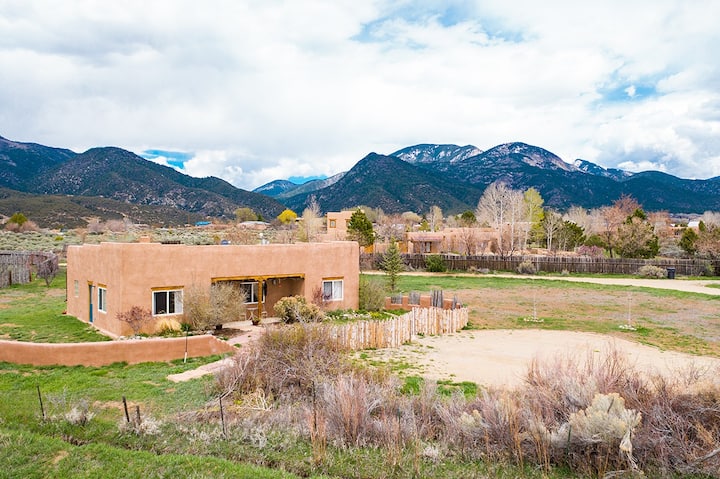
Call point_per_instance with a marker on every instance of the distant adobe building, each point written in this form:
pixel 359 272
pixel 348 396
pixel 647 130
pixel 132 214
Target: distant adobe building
pixel 337 222
pixel 469 241
pixel 106 279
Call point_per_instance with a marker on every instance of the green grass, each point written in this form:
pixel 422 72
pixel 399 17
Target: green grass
pixel 144 384
pixel 33 312
pixel 450 282
pixel 51 457
pixel 31 447
pixel 188 446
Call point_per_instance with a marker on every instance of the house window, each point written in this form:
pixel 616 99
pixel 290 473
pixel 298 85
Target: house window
pixel 167 302
pixel 250 290
pixel 333 290
pixel 102 299
pixel 426 247
pixel 76 288
pixel 333 224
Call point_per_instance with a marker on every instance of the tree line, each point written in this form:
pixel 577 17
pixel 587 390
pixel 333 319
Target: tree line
pixel 523 222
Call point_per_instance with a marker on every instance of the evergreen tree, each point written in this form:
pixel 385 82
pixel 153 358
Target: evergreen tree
pixel 688 240
pixel 360 228
pixel 392 264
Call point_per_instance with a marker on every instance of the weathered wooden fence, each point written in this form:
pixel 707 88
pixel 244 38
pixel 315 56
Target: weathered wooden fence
pixel 557 264
pixel 16 266
pixel 392 333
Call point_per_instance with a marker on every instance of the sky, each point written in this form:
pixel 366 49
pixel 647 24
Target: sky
pixel 253 91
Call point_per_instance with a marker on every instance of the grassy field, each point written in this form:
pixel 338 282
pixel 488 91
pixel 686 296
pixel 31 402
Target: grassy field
pixel 34 312
pixel 672 320
pixel 84 433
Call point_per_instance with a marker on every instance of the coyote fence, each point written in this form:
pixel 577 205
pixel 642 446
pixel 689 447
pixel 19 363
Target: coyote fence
pixel 394 332
pixel 16 267
pixel 558 264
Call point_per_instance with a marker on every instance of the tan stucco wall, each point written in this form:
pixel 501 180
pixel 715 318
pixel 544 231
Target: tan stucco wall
pixel 109 352
pixel 130 271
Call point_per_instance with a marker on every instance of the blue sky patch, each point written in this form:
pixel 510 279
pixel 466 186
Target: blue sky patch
pixel 174 158
pixel 627 92
pixel 299 180
pixel 447 15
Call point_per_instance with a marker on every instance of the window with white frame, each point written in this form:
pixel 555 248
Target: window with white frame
pixel 167 302
pixel 250 290
pixel 332 290
pixel 102 299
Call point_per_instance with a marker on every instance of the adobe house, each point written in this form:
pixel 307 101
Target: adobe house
pixel 106 279
pixel 337 222
pixel 471 241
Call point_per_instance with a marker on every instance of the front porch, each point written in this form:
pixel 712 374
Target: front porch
pixel 262 292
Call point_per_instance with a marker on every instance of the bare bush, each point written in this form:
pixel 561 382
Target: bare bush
pixel 48 269
pixel 203 308
pixel 526 267
pixel 288 361
pixel 349 404
pixel 595 415
pixel 80 414
pixel 651 271
pixel 136 317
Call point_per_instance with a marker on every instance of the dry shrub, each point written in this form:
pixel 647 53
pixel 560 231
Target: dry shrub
pixel 526 267
pixel 296 309
pixel 596 415
pixel 203 309
pixel 136 317
pixel 288 361
pixel 599 437
pixel 487 427
pixel 651 271
pixel 349 403
pixel 559 387
pixel 680 415
pixel 681 425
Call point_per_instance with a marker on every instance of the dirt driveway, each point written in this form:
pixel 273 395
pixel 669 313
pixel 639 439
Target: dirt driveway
pixel 520 323
pixel 501 357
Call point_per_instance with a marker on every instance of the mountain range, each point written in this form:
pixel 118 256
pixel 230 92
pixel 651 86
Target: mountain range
pixel 120 184
pixel 60 188
pixel 454 177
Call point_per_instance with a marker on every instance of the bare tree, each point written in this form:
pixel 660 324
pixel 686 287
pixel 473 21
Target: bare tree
pixel 580 216
pixel 435 218
pixel 311 223
pixel 551 225
pixel 611 217
pixel 711 218
pixel 468 240
pixel 410 218
pixel 708 241
pixel 492 208
pixel 48 268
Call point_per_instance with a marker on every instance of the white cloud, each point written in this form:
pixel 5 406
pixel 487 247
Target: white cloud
pixel 261 90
